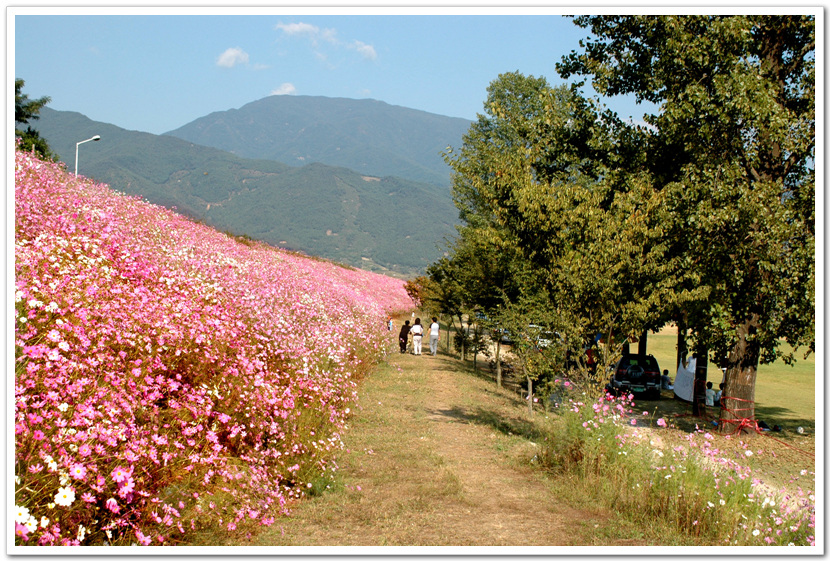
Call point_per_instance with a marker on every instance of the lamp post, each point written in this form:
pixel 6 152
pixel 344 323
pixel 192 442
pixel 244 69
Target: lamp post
pixel 95 138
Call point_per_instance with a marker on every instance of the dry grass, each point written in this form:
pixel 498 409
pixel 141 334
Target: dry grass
pixel 438 456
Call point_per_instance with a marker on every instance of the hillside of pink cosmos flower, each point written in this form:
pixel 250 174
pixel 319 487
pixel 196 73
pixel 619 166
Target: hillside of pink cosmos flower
pixel 168 377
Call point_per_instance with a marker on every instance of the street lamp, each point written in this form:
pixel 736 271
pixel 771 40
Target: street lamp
pixel 96 138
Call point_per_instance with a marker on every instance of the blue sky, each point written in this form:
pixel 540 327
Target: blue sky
pixel 153 71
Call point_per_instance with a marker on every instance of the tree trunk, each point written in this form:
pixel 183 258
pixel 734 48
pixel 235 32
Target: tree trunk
pixel 642 346
pixel 699 396
pixel 498 362
pixel 681 343
pixel 475 348
pixel 737 414
pixel 529 393
pixel 463 338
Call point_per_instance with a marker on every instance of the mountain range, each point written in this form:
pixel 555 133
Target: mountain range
pixel 359 182
pixel 366 135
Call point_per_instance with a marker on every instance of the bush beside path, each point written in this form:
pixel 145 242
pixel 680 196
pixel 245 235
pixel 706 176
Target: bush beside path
pixel 438 456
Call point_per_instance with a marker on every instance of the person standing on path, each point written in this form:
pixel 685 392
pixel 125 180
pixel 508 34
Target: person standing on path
pixel 433 336
pixel 403 336
pixel 417 335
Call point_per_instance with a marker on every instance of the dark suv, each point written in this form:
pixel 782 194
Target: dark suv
pixel 636 373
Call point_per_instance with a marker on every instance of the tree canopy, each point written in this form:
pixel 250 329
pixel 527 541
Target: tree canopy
pixel 24 111
pixel 732 148
pixel 704 214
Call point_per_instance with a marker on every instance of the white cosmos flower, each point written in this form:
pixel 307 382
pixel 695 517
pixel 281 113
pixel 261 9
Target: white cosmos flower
pixel 65 496
pixel 21 514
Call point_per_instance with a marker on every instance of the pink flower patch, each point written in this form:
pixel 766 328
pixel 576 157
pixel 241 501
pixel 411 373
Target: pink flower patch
pixel 119 474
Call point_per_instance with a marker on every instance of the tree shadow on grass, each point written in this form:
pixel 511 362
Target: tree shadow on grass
pixel 482 370
pixel 513 426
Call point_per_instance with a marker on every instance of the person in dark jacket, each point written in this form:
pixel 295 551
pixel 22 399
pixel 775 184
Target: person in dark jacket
pixel 403 336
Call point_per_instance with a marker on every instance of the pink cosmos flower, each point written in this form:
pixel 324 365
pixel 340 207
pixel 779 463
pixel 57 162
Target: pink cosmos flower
pixel 21 530
pixel 78 471
pixel 88 498
pixel 661 422
pixel 38 435
pixel 126 488
pixel 142 539
pixel 112 505
pixel 84 450
pixel 120 474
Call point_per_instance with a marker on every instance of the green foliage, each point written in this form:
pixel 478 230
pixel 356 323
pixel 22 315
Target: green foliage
pixel 705 217
pixel 24 111
pixel 731 153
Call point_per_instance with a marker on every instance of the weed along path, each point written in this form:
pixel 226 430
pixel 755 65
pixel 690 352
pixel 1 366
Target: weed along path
pixel 437 456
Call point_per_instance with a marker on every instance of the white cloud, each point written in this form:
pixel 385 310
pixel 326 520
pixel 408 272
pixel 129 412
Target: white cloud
pixel 368 51
pixel 328 35
pixel 299 29
pixel 286 88
pixel 232 57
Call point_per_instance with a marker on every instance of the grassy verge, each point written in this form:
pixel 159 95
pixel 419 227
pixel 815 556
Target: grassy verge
pixel 677 490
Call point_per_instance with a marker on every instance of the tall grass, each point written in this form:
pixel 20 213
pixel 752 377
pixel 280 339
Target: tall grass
pixel 620 461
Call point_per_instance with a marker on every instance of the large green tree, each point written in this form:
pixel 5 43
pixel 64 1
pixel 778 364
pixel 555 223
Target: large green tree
pixel 549 212
pixel 546 171
pixel 731 153
pixel 24 111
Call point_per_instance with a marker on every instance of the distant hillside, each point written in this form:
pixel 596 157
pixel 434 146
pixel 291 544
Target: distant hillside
pixel 368 136
pixel 384 224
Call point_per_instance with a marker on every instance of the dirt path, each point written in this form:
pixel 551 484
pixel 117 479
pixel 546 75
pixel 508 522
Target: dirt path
pixel 438 456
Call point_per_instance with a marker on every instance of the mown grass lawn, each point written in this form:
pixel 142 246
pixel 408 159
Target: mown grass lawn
pixel 784 394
